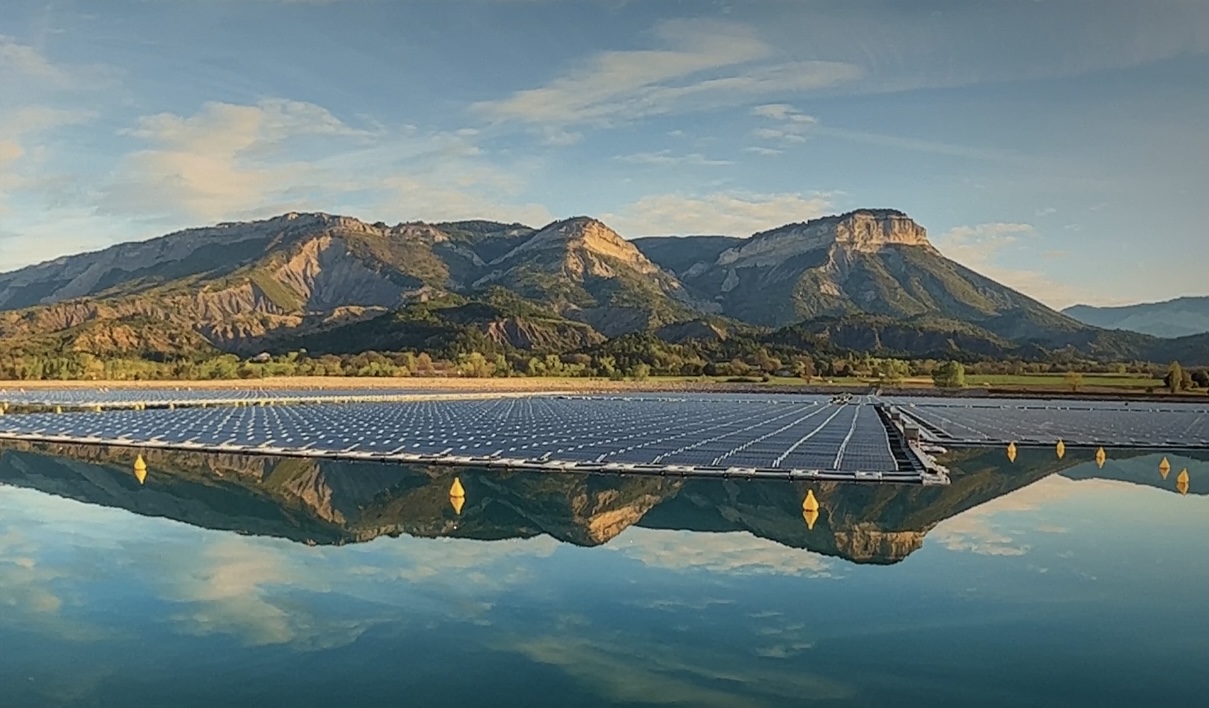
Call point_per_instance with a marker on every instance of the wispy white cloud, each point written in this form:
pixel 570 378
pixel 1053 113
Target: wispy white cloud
pixel 969 244
pixel 763 151
pixel 665 158
pixel 433 202
pixel 981 247
pixel 703 64
pixel 40 98
pixel 898 142
pixel 232 161
pixel 790 126
pixel 959 44
pixel 736 213
pixel 26 70
pixel 219 162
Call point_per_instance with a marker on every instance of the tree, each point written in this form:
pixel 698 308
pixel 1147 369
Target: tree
pixel 1200 377
pixel 500 365
pixel 1177 379
pixel 477 366
pixel 424 364
pixel 1074 379
pixel 951 374
pixel 803 368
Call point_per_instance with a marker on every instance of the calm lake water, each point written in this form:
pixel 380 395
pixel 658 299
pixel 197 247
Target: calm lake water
pixel 239 581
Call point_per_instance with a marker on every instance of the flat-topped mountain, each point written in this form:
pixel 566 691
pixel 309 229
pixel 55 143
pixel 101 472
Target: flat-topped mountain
pixel 868 261
pixel 335 283
pixel 865 231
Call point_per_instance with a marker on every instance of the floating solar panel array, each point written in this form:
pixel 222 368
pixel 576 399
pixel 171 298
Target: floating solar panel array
pixel 750 436
pixel 1134 424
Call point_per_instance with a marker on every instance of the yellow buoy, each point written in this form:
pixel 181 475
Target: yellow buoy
pixel 810 503
pixel 140 469
pixel 1164 468
pixel 1011 452
pixel 1101 457
pixel 457 496
pixel 58 409
pixel 810 517
pixel 1061 449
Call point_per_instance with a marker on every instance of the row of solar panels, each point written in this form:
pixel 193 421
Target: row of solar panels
pixel 1187 428
pixel 700 433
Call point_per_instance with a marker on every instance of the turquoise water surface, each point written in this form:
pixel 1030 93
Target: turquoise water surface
pixel 240 581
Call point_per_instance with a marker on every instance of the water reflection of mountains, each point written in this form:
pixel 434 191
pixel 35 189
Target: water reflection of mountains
pixel 334 502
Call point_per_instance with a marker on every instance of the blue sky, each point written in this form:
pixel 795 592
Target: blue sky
pixel 1058 146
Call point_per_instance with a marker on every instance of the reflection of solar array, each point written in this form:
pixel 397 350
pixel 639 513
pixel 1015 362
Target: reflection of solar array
pixel 713 431
pixel 84 397
pixel 1137 424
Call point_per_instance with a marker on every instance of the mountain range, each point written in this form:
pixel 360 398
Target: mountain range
pixel 1180 317
pixel 866 280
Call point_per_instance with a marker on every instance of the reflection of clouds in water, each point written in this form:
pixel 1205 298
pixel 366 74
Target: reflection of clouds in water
pixel 788 641
pixel 980 531
pixel 24 586
pixel 976 534
pixel 784 651
pixel 423 559
pixel 263 591
pixel 267 590
pixel 630 670
pixel 35 590
pixel 697 604
pixel 238 586
pixel 735 553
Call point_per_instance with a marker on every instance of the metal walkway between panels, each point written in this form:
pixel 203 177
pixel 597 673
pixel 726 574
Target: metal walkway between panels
pixel 753 436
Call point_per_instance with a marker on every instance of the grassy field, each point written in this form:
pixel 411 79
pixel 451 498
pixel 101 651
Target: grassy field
pixel 1059 380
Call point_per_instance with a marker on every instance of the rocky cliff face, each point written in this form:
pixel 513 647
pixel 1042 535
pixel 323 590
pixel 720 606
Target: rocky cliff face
pixel 868 544
pixel 325 275
pixel 220 248
pixel 588 272
pixel 587 248
pixel 864 231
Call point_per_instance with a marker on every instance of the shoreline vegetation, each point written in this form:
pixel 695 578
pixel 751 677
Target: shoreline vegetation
pixel 1045 385
pixel 638 368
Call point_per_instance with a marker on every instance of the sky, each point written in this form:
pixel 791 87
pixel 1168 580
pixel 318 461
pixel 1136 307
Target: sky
pixel 1055 145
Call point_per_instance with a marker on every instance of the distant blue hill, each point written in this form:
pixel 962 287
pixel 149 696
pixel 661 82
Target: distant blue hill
pixel 1174 318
